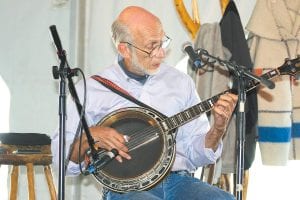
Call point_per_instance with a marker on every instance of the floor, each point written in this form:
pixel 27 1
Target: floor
pixel 274 182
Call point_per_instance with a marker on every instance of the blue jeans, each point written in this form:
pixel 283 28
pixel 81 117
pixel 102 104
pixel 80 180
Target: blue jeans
pixel 176 186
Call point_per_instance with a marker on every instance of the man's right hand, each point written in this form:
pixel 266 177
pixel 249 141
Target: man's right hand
pixel 108 138
pixel 105 138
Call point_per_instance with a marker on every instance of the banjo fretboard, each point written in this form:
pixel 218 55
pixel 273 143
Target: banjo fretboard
pixel 195 111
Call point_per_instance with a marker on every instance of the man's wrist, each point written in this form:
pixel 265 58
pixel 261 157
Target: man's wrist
pixel 213 137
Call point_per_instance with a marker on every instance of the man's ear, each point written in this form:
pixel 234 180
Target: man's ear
pixel 123 50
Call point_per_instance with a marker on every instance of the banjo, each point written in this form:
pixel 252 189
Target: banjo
pixel 152 139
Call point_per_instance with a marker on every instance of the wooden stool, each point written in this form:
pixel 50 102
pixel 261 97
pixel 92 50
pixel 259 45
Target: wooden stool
pixel 28 149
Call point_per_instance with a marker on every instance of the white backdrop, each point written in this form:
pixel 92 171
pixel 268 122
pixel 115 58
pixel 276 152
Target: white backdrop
pixel 27 55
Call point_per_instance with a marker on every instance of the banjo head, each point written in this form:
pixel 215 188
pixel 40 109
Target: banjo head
pixel 152 151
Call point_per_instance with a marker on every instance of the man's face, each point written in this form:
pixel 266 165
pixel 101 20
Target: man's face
pixel 146 51
pixel 147 67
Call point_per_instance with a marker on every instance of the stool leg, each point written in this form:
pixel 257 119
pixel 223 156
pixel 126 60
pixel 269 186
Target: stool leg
pixel 245 184
pixel 14 182
pixel 30 178
pixel 49 178
pixel 211 173
pixel 224 182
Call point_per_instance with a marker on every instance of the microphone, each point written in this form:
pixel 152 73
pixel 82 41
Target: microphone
pixel 56 40
pixel 101 160
pixel 187 47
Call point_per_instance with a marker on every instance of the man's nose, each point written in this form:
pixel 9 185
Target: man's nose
pixel 161 53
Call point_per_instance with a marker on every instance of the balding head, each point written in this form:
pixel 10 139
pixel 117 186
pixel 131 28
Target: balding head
pixel 133 21
pixel 135 16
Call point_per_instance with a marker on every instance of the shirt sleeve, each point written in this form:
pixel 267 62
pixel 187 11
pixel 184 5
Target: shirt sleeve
pixel 191 150
pixel 72 168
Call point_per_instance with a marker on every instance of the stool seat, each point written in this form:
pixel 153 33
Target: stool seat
pixel 25 139
pixel 23 159
pixel 28 149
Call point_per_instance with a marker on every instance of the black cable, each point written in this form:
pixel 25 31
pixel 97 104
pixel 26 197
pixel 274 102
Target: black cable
pixel 79 127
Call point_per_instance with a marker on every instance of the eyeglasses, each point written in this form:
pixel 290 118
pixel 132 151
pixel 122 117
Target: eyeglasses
pixel 163 44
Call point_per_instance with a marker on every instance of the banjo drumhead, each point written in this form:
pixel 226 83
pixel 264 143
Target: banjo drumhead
pixel 151 149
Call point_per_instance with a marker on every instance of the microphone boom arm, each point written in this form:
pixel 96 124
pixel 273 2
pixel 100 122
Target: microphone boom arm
pixel 238 70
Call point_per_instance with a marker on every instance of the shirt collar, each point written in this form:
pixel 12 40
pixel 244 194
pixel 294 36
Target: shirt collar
pixel 139 78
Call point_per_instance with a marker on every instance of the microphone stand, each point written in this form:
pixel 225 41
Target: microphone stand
pixel 240 72
pixel 240 127
pixel 63 72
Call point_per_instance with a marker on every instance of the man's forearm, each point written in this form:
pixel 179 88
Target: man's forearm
pixel 213 138
pixel 83 148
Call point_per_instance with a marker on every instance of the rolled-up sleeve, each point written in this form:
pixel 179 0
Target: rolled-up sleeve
pixel 190 141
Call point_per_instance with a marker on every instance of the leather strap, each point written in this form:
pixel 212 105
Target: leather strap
pixel 120 91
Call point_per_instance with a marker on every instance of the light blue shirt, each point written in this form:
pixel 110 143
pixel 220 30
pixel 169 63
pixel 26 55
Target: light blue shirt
pixel 169 91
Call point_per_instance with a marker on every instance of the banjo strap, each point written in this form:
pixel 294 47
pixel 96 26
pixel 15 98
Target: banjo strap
pixel 120 91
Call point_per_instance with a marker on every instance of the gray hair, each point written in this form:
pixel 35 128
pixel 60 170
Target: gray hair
pixel 120 33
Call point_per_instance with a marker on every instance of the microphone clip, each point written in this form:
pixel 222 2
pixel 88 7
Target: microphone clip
pixel 97 161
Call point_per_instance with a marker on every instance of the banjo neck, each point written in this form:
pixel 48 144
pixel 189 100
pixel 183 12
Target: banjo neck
pixel 290 67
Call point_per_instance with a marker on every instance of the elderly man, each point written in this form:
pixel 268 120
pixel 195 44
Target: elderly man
pixel 141 43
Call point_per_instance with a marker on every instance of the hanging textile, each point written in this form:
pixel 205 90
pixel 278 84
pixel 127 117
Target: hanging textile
pixel 275 35
pixel 227 41
pixel 233 38
pixel 213 80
